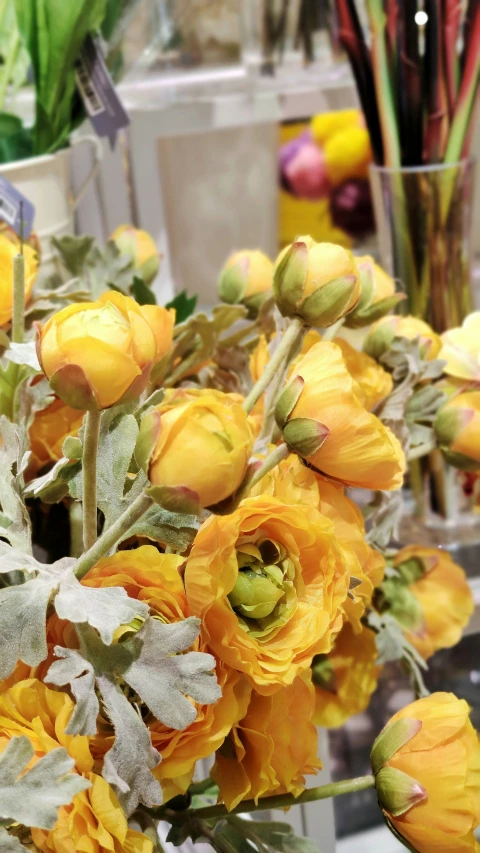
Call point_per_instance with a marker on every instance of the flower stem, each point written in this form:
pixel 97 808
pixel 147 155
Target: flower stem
pixel 18 320
pixel 277 801
pixel 111 536
pixel 294 329
pixel 89 498
pixel 275 457
pixel 331 333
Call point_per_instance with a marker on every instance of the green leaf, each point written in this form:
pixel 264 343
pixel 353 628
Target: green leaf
pixel 184 306
pixel 392 645
pixel 107 267
pixel 52 487
pixel 154 664
pixel 203 793
pixel 10 124
pixel 54 32
pixel 142 293
pixel 33 797
pixel 74 252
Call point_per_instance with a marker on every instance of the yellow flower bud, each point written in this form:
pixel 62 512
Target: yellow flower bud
pixel 316 281
pixel 381 335
pixel 98 354
pixel 8 249
pixel 461 349
pixel 457 427
pixel 195 447
pixel 378 295
pixel 140 247
pixel 358 450
pixel 427 775
pixel 246 277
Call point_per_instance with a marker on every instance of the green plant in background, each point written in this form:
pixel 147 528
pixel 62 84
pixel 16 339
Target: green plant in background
pixel 47 36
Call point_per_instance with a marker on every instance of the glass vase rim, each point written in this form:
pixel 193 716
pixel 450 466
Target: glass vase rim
pixel 426 167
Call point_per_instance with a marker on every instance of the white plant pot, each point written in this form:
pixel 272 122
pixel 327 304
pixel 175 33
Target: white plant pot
pixel 45 181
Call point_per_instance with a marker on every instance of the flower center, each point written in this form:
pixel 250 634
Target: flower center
pixel 264 596
pixel 323 673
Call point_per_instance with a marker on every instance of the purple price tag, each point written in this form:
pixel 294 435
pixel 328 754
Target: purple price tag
pixel 15 207
pixel 100 99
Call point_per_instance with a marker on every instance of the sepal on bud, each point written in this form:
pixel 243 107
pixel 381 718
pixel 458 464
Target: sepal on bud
pixel 391 739
pixel 360 318
pixel 150 426
pixel 175 499
pixel 305 436
pixel 287 400
pixel 72 386
pixel 397 791
pixel 233 280
pixel 329 302
pixel 290 277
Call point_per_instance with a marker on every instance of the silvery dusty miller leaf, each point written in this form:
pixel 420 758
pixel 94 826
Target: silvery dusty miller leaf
pixel 73 669
pixel 10 844
pixel 151 663
pixel 24 354
pixel 23 611
pixel 18 531
pixel 34 797
pixel 103 609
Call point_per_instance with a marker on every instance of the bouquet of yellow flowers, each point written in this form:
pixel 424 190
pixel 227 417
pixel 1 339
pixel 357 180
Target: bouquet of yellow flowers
pixel 183 574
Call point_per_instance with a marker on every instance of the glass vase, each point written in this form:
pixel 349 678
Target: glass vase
pixel 424 224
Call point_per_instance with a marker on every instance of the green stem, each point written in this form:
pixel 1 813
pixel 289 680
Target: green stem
pixel 89 464
pixel 18 321
pixel 331 333
pixel 110 537
pixel 236 337
pixel 383 88
pixel 277 801
pixel 276 456
pixel 294 329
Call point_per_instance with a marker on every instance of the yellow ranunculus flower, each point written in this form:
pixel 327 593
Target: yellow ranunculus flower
pixel 461 349
pixel 347 155
pixel 247 277
pixel 97 354
pixel 358 450
pixel 325 125
pixel 382 333
pixel 345 679
pixel 427 772
pixel 140 247
pixel 49 429
pixel 94 822
pixel 271 749
pixel 269 582
pixel 457 427
pixel 8 249
pixel 295 484
pixel 319 282
pixel 155 578
pixel 197 443
pixel 32 709
pixel 372 382
pixel 440 588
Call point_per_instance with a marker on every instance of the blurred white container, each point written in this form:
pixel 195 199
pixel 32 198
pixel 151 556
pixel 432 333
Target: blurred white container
pixel 46 182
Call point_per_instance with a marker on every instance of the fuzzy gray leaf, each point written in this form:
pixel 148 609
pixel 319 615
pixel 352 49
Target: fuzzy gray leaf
pixel 23 611
pixel 73 669
pixel 33 798
pixel 173 529
pixel 383 514
pixel 12 560
pixel 103 609
pixel 10 844
pixel 24 354
pixel 12 449
pixel 52 487
pixel 74 251
pixel 392 645
pixel 128 763
pixel 163 678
